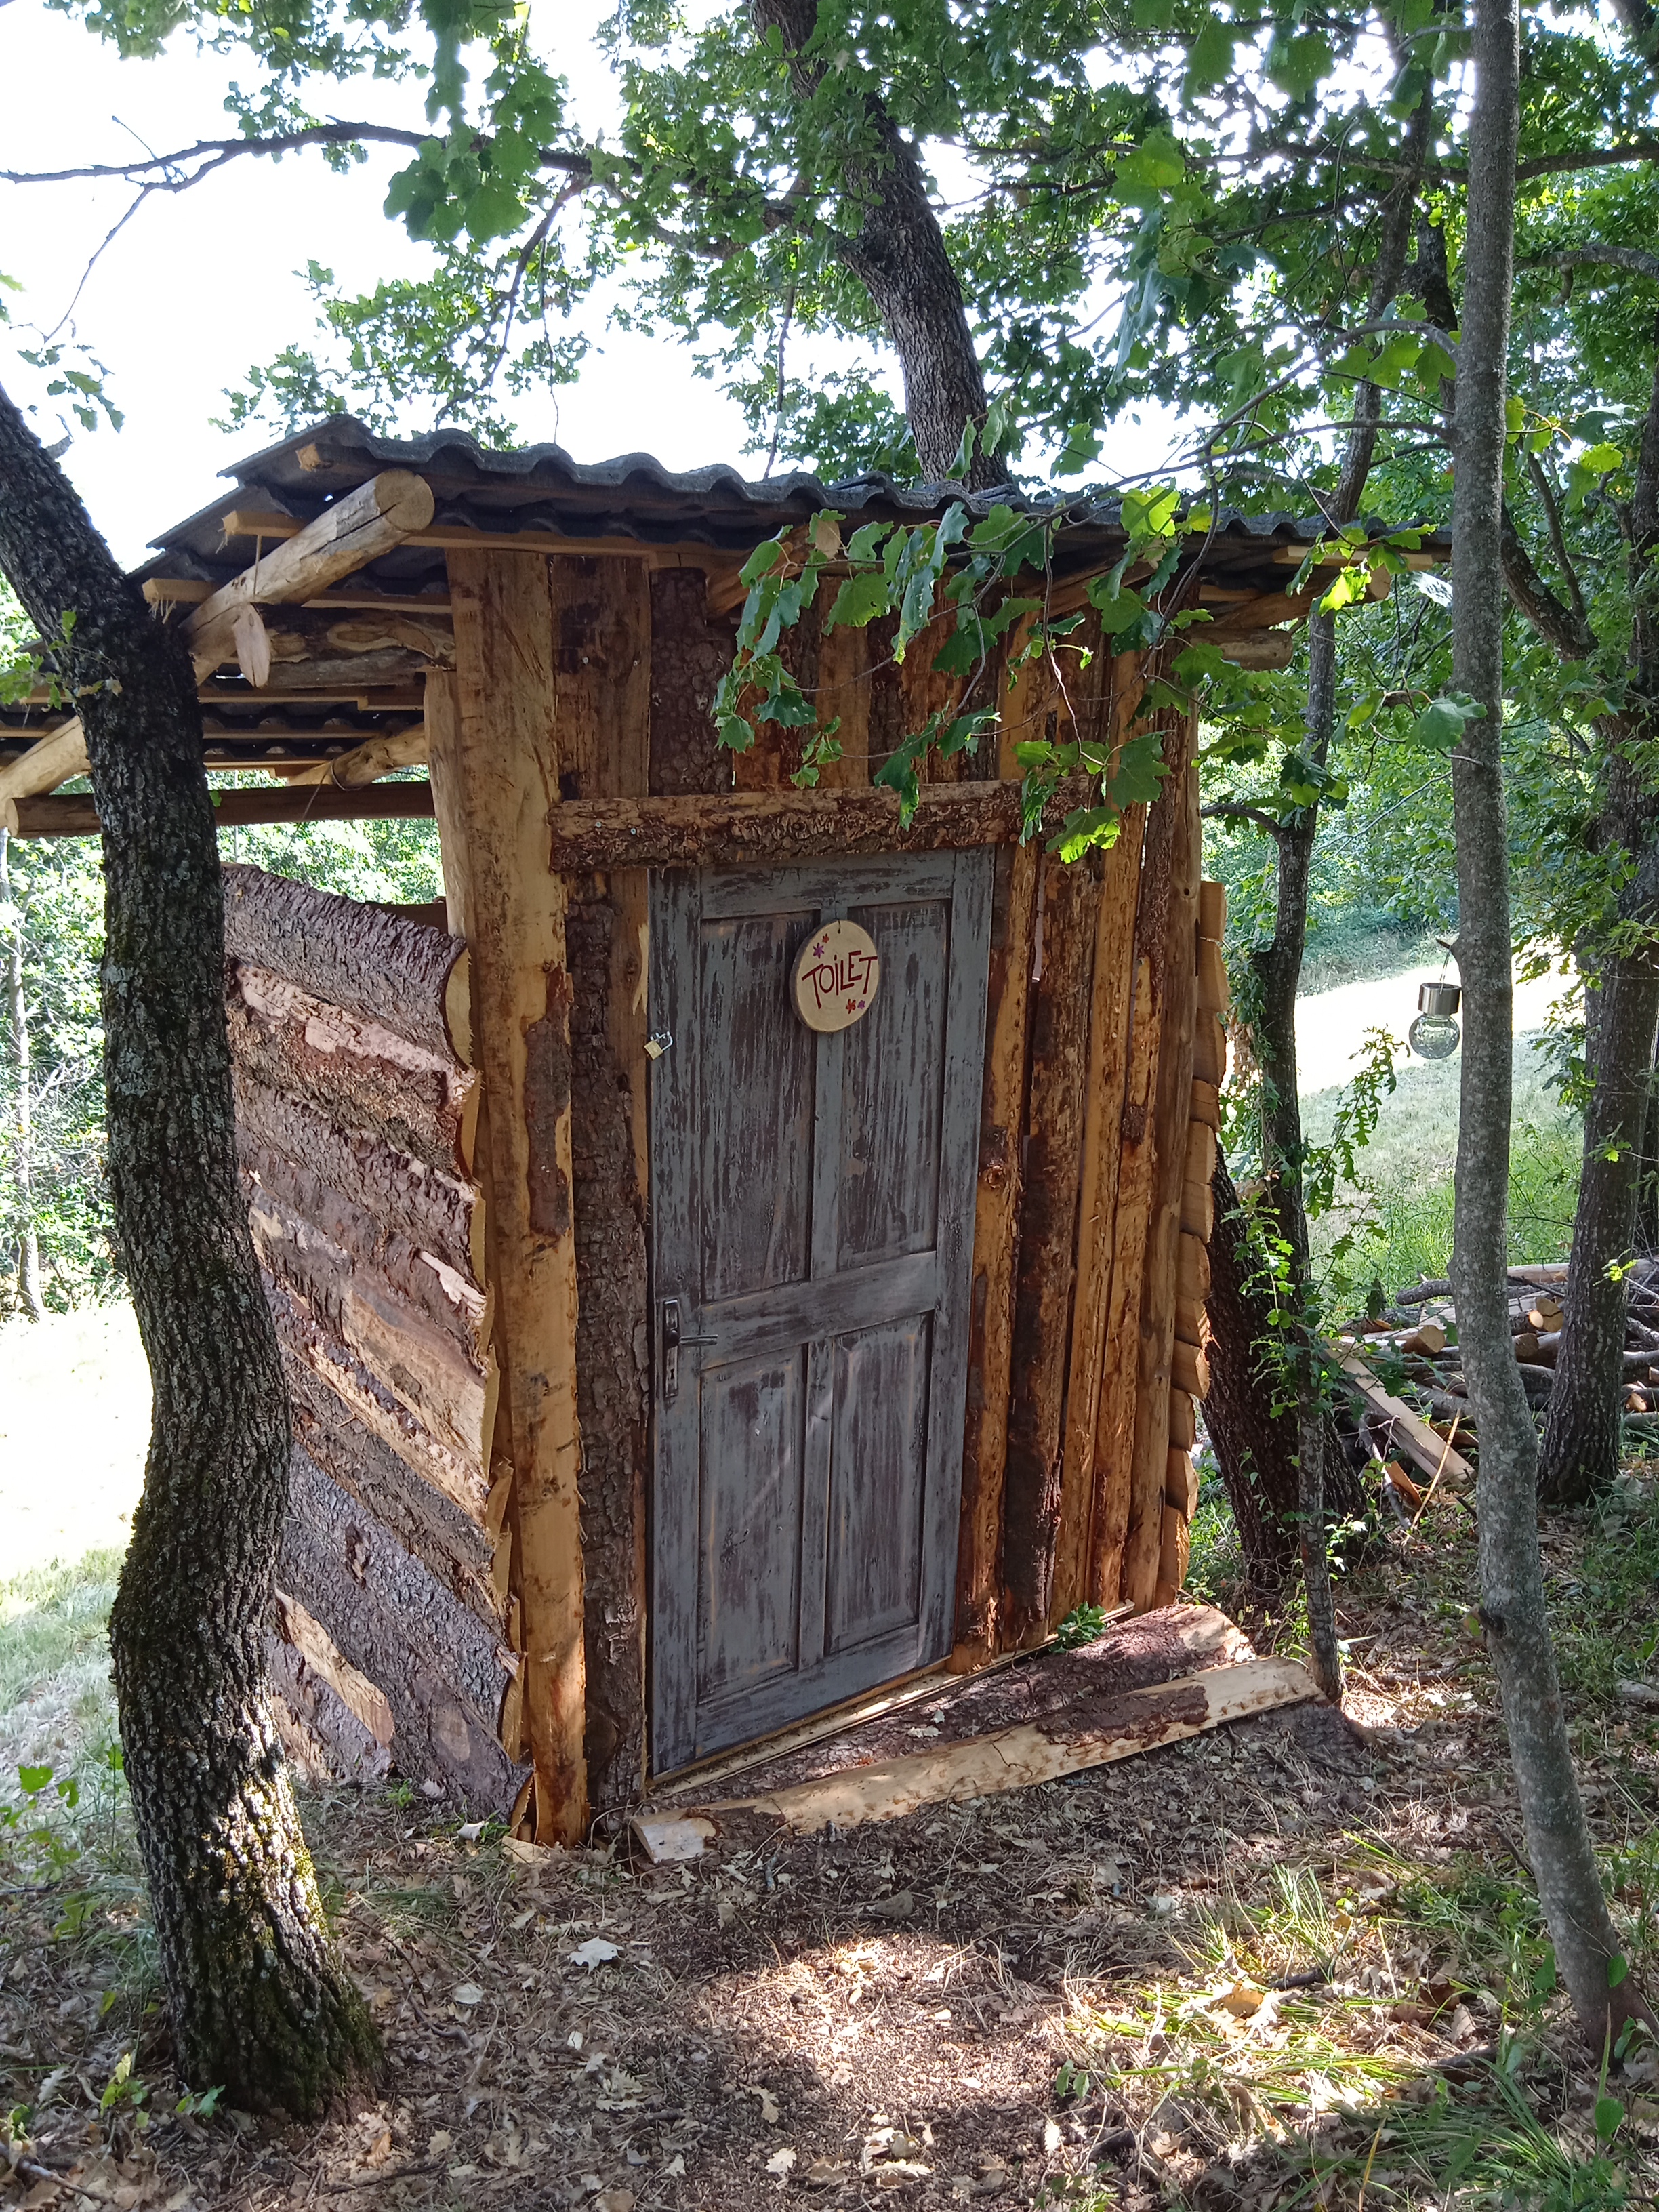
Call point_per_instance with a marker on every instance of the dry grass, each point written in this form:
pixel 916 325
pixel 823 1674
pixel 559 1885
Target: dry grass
pixel 1282 1965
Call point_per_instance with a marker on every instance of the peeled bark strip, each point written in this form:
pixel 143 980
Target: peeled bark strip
pixel 256 2000
pixel 612 1370
pixel 398 973
pixel 1047 1241
pixel 1582 1433
pixel 355 1070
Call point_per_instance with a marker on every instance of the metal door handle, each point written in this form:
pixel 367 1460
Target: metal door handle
pixel 671 1341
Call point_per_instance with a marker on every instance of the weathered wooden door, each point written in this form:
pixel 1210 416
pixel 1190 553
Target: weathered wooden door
pixel 812 1204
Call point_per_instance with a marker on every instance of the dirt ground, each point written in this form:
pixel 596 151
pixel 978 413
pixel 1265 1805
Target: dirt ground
pixel 1291 1962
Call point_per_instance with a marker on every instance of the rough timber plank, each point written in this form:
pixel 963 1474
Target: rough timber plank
pixel 1113 1728
pixel 1143 1536
pixel 1115 1429
pixel 602 657
pixel 1108 1069
pixel 844 696
pixel 1055 1116
pixel 612 1369
pixel 996 1212
pixel 508 773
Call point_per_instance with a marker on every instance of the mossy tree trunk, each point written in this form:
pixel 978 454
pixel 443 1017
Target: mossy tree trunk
pixel 256 2000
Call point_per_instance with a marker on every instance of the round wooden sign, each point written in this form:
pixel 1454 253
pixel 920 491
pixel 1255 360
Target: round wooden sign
pixel 837 974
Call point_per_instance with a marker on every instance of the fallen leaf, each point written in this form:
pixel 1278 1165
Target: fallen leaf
pixel 1051 2136
pixel 825 2173
pixel 899 1906
pixel 781 2163
pixel 1243 1999
pixel 469 1993
pixel 769 2104
pixel 439 2143
pixel 725 1912
pixel 470 1830
pixel 594 1953
pixel 614 2200
pixel 675 2169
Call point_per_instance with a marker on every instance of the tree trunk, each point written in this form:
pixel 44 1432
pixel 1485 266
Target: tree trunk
pixel 1512 1610
pixel 1254 1434
pixel 899 255
pixel 1581 1432
pixel 257 2001
pixel 17 1015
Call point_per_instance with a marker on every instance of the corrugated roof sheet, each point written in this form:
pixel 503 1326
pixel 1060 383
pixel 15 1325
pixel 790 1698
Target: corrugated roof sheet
pixel 633 497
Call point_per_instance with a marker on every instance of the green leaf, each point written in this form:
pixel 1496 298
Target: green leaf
pixel 1210 61
pixel 861 599
pixel 1609 2111
pixel 1080 452
pixel 1617 1968
pixel 736 734
pixel 34 1779
pixel 962 460
pixel 1441 723
pixel 762 562
pixel 1601 460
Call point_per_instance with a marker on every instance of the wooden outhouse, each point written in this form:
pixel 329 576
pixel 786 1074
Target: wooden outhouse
pixel 668 1367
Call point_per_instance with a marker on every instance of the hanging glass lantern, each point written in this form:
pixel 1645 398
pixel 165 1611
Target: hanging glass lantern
pixel 1434 1035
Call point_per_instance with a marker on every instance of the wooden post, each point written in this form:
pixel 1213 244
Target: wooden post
pixel 507 764
pixel 1144 1537
pixel 1047 1240
pixel 1108 1068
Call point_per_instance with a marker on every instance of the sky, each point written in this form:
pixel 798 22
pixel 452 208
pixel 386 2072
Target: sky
pixel 199 286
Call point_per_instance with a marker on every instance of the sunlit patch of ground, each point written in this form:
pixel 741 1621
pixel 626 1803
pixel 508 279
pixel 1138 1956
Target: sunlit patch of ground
pixel 1282 1965
pixel 74 1425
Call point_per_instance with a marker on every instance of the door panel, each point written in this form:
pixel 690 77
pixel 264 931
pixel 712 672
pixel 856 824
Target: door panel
pixel 892 1089
pixel 878 1482
pixel 812 1223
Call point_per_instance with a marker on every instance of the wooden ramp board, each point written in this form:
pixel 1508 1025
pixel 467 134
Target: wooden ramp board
pixel 1156 1679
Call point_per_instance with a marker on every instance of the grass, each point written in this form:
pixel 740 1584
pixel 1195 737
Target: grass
pixel 57 1707
pixel 1405 1209
pixel 1360 948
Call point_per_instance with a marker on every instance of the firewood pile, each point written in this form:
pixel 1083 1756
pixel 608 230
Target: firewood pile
pixel 1412 1349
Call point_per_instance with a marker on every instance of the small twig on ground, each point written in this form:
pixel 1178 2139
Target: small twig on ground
pixel 374 2180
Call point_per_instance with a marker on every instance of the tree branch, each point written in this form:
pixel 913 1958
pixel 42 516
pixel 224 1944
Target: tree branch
pixel 1589 256
pixel 1235 809
pixel 1570 634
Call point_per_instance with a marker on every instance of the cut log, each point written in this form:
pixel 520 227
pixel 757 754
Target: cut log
pixel 1198 1210
pixel 506 747
pixel 324 1656
pixel 1528 1347
pixel 691 649
pixel 352 1068
pixel 1545 1313
pixel 1191 1323
pixel 1019 1757
pixel 1209 1056
pixel 1174 1550
pixel 1181 1482
pixel 435 1211
pixel 1190 1370
pixel 375 519
pixel 1193 1268
pixel 778 825
pixel 603 659
pixel 1183 1422
pixel 1200 1152
pixel 1429 1339
pixel 1215 996
pixel 1206 1103
pixel 1213 909
pixel 1048 1241
pixel 364 763
pixel 453 1399
pixel 402 975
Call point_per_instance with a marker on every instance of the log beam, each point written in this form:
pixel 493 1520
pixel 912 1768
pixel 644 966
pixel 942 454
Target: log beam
pixel 74 814
pixel 366 764
pixel 770 827
pixel 49 762
pixel 375 519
